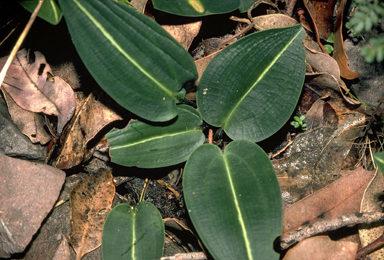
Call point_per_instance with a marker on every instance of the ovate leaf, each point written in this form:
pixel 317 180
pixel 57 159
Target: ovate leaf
pixel 151 146
pixel 252 86
pixel 234 201
pixel 131 233
pixel 130 56
pixel 49 11
pixel 196 7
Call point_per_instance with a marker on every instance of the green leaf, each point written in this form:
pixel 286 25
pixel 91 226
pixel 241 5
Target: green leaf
pixel 234 200
pixel 148 146
pixel 196 7
pixel 379 160
pixel 252 86
pixel 49 11
pixel 133 233
pixel 131 57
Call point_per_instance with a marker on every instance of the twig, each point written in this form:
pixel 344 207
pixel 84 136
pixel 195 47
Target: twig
pixel 309 230
pixel 20 41
pixel 378 243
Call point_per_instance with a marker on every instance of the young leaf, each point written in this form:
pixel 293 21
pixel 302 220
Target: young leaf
pixel 130 56
pixel 234 200
pixel 252 86
pixel 49 11
pixel 133 233
pixel 148 146
pixel 196 7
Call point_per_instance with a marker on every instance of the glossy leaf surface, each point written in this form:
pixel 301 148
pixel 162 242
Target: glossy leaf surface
pixel 133 233
pixel 196 7
pixel 130 56
pixel 252 86
pixel 149 146
pixel 234 201
pixel 49 11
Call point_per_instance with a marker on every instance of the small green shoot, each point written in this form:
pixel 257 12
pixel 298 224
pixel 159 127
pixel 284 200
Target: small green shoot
pixel 328 47
pixel 298 122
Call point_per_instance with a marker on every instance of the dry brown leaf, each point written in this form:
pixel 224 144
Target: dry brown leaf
pixel 91 201
pixel 184 33
pixel 322 13
pixel 28 191
pixel 29 123
pixel 341 197
pixel 372 203
pixel 322 248
pixel 339 53
pixel 63 252
pixel 25 80
pixel 201 64
pixel 263 22
pixel 61 93
pixel 139 5
pixel 91 117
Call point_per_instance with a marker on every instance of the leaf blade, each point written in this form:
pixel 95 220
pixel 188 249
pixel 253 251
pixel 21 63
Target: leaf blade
pixel 138 63
pixel 221 186
pixel 232 84
pixel 148 146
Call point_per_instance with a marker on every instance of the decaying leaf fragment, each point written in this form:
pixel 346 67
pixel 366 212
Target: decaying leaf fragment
pixel 91 201
pixel 29 89
pixel 91 116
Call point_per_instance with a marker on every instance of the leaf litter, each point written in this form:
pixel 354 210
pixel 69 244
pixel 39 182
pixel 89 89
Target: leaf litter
pixel 315 159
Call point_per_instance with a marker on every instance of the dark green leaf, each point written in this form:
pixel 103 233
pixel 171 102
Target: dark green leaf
pixel 148 146
pixel 131 233
pixel 196 7
pixel 245 5
pixel 252 86
pixel 234 200
pixel 49 11
pixel 132 57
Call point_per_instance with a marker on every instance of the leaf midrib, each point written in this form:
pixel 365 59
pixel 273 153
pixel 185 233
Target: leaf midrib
pixel 120 49
pixel 261 76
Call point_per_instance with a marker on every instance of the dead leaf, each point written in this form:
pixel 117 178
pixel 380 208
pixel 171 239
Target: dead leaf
pixel 63 252
pixel 91 117
pixel 13 142
pixel 139 5
pixel 201 64
pixel 372 202
pixel 184 33
pixel 341 197
pixel 322 13
pixel 263 22
pixel 91 201
pixel 25 80
pixel 28 191
pixel 61 93
pixel 322 248
pixel 339 53
pixel 29 123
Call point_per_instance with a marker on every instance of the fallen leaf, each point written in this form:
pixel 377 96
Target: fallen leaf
pixel 322 13
pixel 28 191
pixel 201 64
pixel 13 142
pixel 91 201
pixel 372 202
pixel 322 248
pixel 339 53
pixel 341 197
pixel 184 33
pixel 25 80
pixel 263 22
pixel 91 117
pixel 29 123
pixel 63 252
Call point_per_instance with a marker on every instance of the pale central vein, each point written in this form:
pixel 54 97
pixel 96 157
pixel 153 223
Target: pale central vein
pixel 119 48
